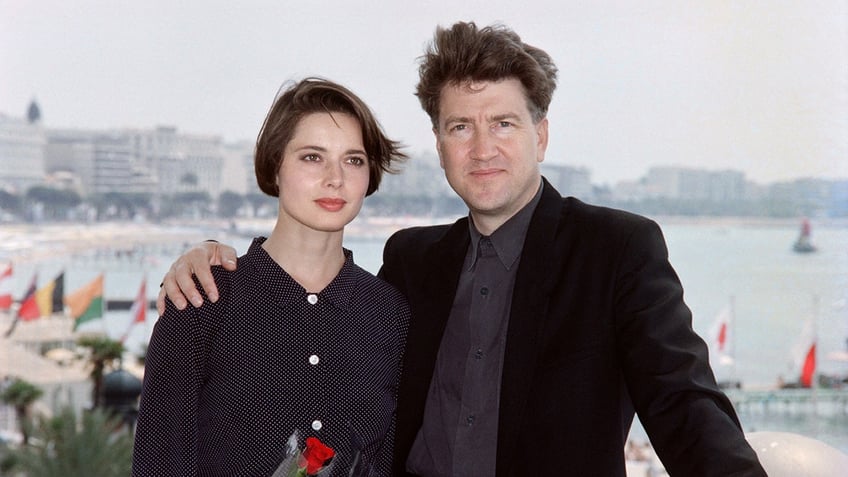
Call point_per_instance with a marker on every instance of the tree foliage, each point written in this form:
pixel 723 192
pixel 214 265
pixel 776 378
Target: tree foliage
pixel 9 201
pixel 229 204
pixel 103 353
pixel 21 395
pixel 56 202
pixel 121 204
pixel 71 445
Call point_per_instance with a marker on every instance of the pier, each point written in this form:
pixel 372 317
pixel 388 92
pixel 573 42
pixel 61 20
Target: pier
pixel 802 401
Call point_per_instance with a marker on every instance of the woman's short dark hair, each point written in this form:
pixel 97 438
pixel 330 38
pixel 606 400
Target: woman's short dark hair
pixel 464 53
pixel 318 95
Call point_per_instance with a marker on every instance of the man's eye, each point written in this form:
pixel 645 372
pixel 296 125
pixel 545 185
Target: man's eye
pixel 504 124
pixel 458 127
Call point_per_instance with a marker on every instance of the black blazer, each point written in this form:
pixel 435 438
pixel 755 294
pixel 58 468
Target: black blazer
pixel 598 328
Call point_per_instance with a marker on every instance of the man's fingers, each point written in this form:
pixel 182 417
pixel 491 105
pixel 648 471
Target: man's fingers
pixel 179 284
pixel 183 275
pixel 228 258
pixel 172 290
pixel 160 300
pixel 207 282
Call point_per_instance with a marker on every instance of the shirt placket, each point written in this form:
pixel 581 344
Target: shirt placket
pixel 315 361
pixel 478 409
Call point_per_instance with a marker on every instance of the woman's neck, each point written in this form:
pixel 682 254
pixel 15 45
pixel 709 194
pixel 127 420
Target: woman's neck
pixel 313 258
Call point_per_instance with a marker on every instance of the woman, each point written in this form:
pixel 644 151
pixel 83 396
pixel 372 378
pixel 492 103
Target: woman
pixel 301 339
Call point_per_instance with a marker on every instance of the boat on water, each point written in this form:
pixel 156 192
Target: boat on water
pixel 803 244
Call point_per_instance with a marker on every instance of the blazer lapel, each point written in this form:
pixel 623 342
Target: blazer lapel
pixel 439 269
pixel 529 308
pixel 442 267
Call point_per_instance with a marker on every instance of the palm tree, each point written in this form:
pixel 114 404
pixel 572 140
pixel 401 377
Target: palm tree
pixel 104 352
pixel 141 357
pixel 20 395
pixel 76 446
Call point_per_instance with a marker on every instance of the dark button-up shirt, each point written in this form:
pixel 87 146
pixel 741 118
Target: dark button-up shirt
pixel 227 384
pixel 459 433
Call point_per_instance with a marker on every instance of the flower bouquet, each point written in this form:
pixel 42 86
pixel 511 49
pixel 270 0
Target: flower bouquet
pixel 313 461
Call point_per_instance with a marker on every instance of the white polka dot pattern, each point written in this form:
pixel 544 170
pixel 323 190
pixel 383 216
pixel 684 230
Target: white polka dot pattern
pixel 226 384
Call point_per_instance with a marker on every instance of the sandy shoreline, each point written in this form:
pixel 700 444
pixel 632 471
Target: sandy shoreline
pixel 30 242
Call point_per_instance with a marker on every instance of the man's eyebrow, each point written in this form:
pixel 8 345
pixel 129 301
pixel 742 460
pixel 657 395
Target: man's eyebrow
pixel 495 118
pixel 500 117
pixel 457 119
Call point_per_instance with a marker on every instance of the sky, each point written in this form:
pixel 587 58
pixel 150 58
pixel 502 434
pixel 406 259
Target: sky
pixel 759 86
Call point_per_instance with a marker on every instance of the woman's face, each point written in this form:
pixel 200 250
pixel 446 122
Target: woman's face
pixel 324 174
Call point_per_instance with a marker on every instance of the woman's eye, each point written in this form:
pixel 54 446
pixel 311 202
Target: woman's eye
pixel 357 161
pixel 311 157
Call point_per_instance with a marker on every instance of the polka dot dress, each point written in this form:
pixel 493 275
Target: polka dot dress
pixel 227 384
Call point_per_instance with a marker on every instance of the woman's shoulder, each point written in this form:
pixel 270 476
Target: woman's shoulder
pixel 371 284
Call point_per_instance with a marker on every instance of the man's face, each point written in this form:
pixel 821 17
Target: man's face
pixel 490 148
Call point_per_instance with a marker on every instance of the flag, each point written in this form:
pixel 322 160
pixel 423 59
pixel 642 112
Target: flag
pixel 720 334
pixel 138 312
pixel 804 353
pixel 49 297
pixel 809 367
pixel 29 307
pixel 6 288
pixel 86 304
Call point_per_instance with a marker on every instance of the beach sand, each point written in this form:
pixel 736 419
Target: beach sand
pixel 33 242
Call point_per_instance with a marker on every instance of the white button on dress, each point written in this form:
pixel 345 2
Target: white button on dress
pixel 314 359
pixel 316 425
pixel 312 298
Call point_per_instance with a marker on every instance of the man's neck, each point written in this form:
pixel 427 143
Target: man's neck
pixel 488 222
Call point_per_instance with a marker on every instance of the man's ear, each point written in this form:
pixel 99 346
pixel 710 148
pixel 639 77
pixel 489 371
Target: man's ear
pixel 541 139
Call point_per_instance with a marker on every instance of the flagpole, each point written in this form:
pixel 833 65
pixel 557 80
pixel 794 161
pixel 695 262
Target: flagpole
pixel 138 308
pixel 732 326
pixel 815 384
pixel 103 308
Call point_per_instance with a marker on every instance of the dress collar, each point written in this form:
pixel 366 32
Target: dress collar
pixel 285 289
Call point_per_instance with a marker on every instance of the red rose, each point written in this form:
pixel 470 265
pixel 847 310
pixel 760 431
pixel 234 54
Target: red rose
pixel 317 455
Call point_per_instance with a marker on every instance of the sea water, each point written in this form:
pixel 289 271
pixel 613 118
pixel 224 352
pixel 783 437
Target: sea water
pixel 779 300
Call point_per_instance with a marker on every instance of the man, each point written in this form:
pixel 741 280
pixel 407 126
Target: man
pixel 539 323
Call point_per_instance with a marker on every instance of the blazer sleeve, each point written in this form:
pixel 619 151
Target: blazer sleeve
pixel 691 423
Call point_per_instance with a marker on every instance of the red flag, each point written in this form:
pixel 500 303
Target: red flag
pixel 29 307
pixel 722 336
pixel 6 288
pixel 809 368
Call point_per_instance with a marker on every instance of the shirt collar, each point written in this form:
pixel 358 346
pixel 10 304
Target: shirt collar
pixel 286 289
pixel 508 239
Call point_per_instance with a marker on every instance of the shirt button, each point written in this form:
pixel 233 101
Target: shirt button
pixel 314 359
pixel 316 425
pixel 312 298
pixel 484 291
pixel 478 354
pixel 470 419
